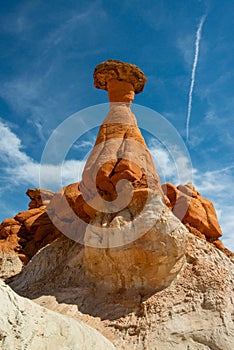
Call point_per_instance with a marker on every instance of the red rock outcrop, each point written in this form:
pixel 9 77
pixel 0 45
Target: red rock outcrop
pixel 119 71
pixel 29 230
pixel 196 213
pixel 39 197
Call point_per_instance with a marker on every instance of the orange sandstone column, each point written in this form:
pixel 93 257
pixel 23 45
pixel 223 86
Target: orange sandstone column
pixel 120 91
pixel 133 242
pixel 120 151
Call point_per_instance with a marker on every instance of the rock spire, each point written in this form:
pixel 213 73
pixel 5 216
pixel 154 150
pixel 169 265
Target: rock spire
pixel 129 242
pixel 120 152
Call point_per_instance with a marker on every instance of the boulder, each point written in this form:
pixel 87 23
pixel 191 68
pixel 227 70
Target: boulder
pixel 196 212
pixel 200 214
pixel 39 197
pixel 26 325
pixel 10 264
pixel 120 72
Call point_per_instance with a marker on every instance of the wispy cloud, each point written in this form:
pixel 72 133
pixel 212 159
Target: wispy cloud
pixel 193 75
pixel 23 93
pixel 173 165
pixel 18 21
pixel 18 168
pixel 184 44
pixel 74 20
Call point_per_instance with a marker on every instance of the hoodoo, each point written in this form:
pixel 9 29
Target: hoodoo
pixel 128 242
pixel 111 252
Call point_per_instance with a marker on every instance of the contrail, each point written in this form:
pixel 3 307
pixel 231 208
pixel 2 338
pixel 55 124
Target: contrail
pixel 222 170
pixel 190 99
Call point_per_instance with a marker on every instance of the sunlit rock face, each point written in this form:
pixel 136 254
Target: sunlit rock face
pixel 26 233
pixel 196 213
pixel 149 262
pixel 25 325
pixel 132 240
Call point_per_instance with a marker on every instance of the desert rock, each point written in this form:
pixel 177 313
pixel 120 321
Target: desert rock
pixel 120 171
pixel 120 71
pixel 10 264
pixel 25 325
pixel 39 197
pixel 196 212
pixel 200 214
pixel 194 311
pixel 26 233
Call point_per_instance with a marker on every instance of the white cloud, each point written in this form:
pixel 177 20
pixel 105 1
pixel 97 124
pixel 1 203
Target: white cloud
pixel 173 165
pixel 164 163
pixel 227 224
pixel 218 187
pixel 27 96
pixel 18 168
pixel 23 93
pixel 217 183
pixel 184 44
pixel 10 146
pixel 84 144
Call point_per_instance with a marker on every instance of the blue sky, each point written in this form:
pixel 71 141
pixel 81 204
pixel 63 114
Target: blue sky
pixel 49 50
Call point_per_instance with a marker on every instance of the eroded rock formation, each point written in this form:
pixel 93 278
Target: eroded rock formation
pixel 115 71
pixel 25 325
pixel 117 209
pixel 195 311
pixel 200 217
pixel 132 240
pixel 121 247
pixel 27 232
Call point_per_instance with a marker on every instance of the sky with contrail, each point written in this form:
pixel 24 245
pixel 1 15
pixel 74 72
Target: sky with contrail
pixel 46 75
pixel 193 75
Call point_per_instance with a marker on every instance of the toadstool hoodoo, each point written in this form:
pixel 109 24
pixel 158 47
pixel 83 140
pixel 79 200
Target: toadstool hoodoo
pixel 132 240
